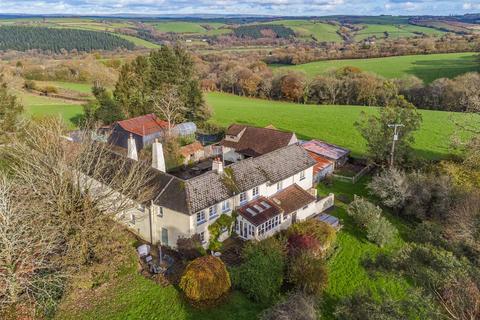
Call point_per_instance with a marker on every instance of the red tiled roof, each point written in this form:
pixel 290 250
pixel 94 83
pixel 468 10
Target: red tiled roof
pixel 325 149
pixel 292 198
pixel 321 162
pixel 257 141
pixel 143 125
pixel 191 149
pixel 257 212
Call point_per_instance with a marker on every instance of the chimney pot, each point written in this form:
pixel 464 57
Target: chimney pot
pixel 158 160
pixel 132 148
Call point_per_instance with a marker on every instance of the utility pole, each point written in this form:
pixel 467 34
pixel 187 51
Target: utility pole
pixel 395 127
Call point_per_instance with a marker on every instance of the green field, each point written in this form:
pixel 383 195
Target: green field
pixel 331 123
pixel 425 67
pixel 307 29
pixel 83 88
pixel 393 31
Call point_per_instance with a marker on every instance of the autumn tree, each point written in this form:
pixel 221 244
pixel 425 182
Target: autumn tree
pixel 376 130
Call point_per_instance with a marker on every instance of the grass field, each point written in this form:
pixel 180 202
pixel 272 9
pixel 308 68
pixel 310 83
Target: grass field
pixel 426 67
pixel 393 31
pixel 308 29
pixel 37 106
pixel 331 123
pixel 84 88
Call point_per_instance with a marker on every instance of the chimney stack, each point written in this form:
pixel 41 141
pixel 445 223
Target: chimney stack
pixel 132 148
pixel 158 161
pixel 217 165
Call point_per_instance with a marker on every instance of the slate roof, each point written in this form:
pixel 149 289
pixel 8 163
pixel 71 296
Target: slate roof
pixel 292 198
pixel 201 192
pixel 257 141
pixel 325 149
pixel 256 212
pixel 209 188
pixel 143 125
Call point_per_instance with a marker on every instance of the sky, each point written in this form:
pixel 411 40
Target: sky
pixel 257 7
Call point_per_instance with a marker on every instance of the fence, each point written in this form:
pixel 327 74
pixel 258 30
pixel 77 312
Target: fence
pixel 356 177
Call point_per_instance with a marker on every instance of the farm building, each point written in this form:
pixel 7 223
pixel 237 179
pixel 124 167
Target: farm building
pixel 144 129
pixel 322 168
pixel 193 152
pixel 329 151
pixel 242 141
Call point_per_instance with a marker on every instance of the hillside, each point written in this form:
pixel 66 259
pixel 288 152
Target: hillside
pixel 425 67
pixel 51 39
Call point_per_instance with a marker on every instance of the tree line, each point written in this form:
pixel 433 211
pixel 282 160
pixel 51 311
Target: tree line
pixel 263 31
pixel 343 86
pixel 21 38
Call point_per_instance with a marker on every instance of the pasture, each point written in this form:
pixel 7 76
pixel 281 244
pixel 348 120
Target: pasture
pixel 425 67
pixel 393 31
pixel 331 123
pixel 308 29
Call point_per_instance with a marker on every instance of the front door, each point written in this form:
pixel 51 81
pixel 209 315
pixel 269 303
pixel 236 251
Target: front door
pixel 164 237
pixel 294 217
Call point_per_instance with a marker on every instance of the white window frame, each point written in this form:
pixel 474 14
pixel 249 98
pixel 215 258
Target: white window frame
pixel 244 195
pixel 255 192
pixel 302 175
pixel 201 214
pixel 225 206
pixel 279 185
pixel 202 237
pixel 212 212
pixel 160 212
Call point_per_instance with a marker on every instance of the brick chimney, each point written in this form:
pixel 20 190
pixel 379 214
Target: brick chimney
pixel 158 160
pixel 132 149
pixel 217 165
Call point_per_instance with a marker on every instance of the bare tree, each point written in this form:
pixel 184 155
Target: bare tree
pixel 27 244
pixel 169 106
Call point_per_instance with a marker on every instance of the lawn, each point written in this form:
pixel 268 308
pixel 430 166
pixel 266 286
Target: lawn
pixel 331 123
pixel 425 67
pixel 346 273
pixel 84 88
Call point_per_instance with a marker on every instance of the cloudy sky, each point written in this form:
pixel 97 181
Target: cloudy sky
pixel 266 7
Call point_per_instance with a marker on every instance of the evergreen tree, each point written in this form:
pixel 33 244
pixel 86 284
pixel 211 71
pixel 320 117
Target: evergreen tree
pixel 10 110
pixel 143 80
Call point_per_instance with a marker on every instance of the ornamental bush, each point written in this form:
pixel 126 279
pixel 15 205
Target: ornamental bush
pixel 205 279
pixel 261 276
pixel 308 274
pixel 321 231
pixel 298 243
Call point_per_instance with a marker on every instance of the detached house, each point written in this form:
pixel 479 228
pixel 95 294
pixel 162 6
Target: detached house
pixel 269 192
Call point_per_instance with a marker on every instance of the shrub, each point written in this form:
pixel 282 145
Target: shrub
pixel 391 186
pixel 298 243
pixel 30 85
pixel 308 274
pixel 380 231
pixel 321 231
pixel 361 305
pixel 261 276
pixel 224 222
pixel 205 279
pixel 297 306
pixel 369 217
pixel 49 89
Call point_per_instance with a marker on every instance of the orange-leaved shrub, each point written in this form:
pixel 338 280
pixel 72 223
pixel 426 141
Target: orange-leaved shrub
pixel 205 279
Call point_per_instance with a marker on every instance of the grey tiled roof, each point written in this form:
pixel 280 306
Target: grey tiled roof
pixel 208 189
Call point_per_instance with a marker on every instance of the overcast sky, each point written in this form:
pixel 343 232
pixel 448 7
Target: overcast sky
pixel 267 7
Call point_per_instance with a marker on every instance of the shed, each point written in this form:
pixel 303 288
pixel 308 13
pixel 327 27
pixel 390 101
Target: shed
pixel 144 129
pixel 327 150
